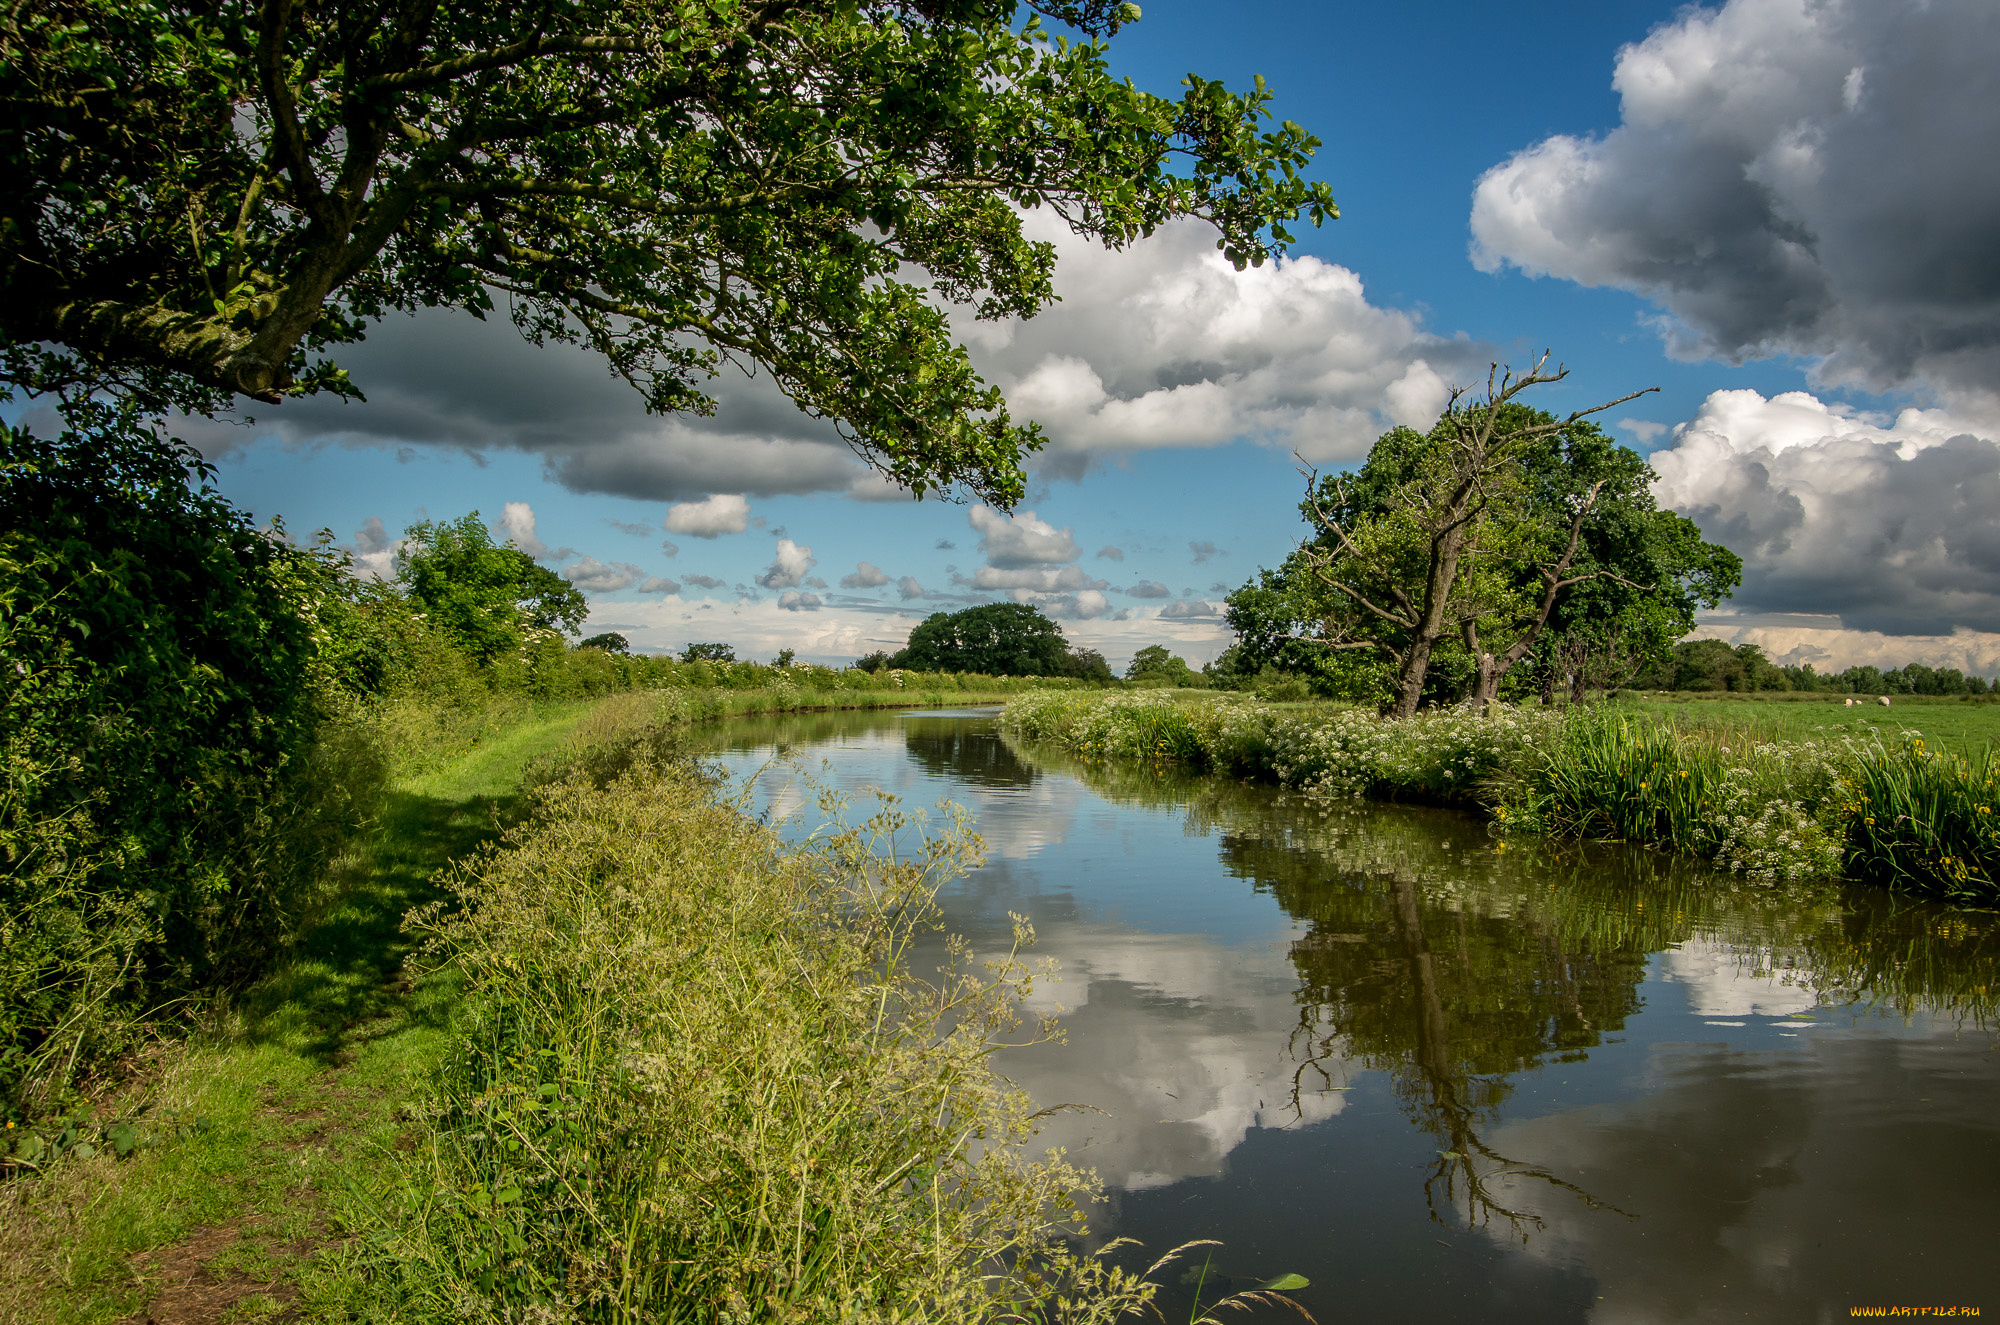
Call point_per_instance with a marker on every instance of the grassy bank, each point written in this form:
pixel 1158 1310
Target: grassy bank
pixel 261 1168
pixel 693 1077
pixel 1895 811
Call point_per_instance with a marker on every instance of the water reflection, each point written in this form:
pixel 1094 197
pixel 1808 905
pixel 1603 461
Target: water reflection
pixel 1449 1079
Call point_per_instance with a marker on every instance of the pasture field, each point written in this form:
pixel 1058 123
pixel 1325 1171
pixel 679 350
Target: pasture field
pixel 1948 723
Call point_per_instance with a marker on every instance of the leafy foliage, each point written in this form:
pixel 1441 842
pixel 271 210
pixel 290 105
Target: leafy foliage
pixel 159 703
pixel 201 198
pixel 999 639
pixel 1502 531
pixel 780 1115
pixel 485 597
pixel 1155 663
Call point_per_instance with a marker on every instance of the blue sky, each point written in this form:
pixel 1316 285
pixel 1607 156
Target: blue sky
pixel 1654 192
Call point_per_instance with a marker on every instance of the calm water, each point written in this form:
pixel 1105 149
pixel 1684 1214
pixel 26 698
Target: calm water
pixel 1449 1081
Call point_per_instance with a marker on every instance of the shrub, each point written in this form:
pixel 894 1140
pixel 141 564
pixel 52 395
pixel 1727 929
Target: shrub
pixel 1907 817
pixel 164 802
pixel 1921 819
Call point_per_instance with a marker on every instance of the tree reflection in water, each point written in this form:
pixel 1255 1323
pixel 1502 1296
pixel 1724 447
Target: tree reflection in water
pixel 1418 1016
pixel 1454 963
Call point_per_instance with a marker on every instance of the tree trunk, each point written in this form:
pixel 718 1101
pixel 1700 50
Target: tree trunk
pixel 1486 681
pixel 1410 678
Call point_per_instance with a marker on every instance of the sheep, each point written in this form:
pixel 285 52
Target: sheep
pixel 1883 700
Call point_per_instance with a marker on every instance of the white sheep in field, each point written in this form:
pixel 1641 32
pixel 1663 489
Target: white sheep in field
pixel 1883 700
pixel 1850 701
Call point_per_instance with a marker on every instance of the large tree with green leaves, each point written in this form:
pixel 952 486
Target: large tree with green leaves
pixel 1477 533
pixel 483 595
pixel 199 199
pixel 996 639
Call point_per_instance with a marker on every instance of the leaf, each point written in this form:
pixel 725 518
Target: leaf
pixel 123 1137
pixel 1285 1283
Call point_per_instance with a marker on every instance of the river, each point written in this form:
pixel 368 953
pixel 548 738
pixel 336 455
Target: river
pixel 1447 1079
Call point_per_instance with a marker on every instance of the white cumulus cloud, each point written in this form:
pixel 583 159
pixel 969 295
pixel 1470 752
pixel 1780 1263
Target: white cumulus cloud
pixel 789 567
pixel 711 517
pixel 1166 345
pixel 1886 525
pixel 517 522
pixel 593 576
pixel 1034 579
pixel 866 575
pixel 1011 541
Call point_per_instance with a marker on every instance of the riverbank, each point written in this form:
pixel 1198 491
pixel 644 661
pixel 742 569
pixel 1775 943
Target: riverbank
pixel 1895 811
pixel 326 1114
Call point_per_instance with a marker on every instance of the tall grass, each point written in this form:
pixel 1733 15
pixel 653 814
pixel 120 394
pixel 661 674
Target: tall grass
pixel 1899 814
pixel 1924 819
pixel 696 1077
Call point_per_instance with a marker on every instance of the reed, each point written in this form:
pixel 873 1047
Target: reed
pixel 1923 819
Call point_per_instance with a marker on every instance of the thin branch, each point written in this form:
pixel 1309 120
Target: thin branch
pixel 288 142
pixel 527 49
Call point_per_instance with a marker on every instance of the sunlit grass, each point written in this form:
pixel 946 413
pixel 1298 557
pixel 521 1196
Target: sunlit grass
pixel 271 1116
pixel 696 1077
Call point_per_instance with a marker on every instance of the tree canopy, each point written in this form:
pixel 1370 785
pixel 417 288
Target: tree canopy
pixel 1156 663
pixel 483 595
pixel 199 200
pixel 1501 529
pixel 997 639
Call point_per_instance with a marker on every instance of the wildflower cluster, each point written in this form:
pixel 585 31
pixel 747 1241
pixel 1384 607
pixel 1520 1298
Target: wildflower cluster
pixel 1769 839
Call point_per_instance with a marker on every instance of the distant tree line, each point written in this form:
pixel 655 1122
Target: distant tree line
pixel 1709 664
pixel 997 639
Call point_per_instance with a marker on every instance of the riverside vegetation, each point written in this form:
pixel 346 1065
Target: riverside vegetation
pixel 805 1125
pixel 649 1064
pixel 1896 811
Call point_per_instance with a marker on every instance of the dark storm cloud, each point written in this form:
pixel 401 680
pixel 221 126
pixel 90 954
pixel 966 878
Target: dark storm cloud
pixel 444 379
pixel 1894 529
pixel 1817 179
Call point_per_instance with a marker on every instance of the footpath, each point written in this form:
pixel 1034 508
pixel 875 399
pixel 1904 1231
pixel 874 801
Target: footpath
pixel 257 1135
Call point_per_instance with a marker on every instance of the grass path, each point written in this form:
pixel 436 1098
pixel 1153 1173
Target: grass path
pixel 260 1127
